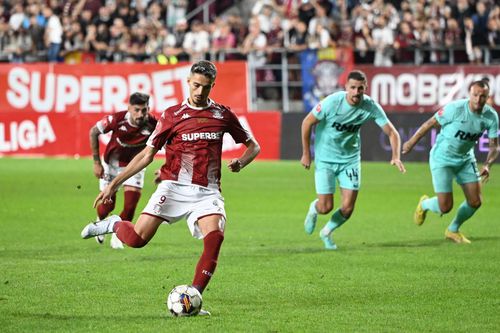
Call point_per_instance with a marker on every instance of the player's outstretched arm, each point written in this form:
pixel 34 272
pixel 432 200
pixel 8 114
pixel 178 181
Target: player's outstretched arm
pixel 139 162
pixel 492 155
pixel 419 134
pixel 395 141
pixel 309 121
pixel 253 149
pixel 96 156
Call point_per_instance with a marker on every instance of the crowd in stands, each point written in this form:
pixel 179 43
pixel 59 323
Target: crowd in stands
pixel 381 32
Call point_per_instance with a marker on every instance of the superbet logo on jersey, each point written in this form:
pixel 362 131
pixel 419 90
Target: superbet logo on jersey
pixel 201 136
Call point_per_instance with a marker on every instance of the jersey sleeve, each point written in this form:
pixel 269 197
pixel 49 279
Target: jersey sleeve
pixel 106 124
pixel 444 115
pixel 236 130
pixel 162 131
pixel 379 115
pixel 322 108
pixel 493 128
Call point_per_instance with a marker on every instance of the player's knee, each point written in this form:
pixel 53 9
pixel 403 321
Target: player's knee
pixel 475 203
pixel 324 208
pixel 445 207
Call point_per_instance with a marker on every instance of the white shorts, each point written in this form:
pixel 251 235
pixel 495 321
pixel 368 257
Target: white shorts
pixel 113 169
pixel 173 201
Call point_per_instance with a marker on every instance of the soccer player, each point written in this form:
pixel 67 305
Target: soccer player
pixel 461 123
pixel 130 132
pixel 337 146
pixel 191 133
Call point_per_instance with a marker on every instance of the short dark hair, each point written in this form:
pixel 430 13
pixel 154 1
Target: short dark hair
pixel 205 68
pixel 357 75
pixel 483 83
pixel 138 98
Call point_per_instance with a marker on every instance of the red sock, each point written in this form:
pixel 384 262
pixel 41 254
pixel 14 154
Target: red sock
pixel 126 233
pixel 208 260
pixel 103 210
pixel 131 198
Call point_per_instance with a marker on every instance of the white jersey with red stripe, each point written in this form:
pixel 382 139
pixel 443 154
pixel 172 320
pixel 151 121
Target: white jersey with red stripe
pixel 192 138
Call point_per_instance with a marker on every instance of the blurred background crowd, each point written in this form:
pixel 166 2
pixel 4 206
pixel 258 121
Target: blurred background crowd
pixel 381 32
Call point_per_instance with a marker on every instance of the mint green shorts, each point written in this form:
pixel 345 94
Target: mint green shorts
pixel 442 176
pixel 327 174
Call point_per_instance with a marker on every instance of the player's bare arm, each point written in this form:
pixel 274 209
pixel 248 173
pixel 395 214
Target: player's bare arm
pixel 493 150
pixel 419 134
pixel 139 162
pixel 94 146
pixel 395 142
pixel 306 128
pixel 253 149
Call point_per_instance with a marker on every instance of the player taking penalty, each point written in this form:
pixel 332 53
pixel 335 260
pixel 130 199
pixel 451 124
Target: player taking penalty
pixel 461 123
pixel 191 133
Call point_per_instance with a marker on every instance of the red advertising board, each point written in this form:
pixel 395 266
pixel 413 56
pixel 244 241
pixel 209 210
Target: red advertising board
pixel 48 109
pixel 426 88
pixel 67 134
pixel 97 88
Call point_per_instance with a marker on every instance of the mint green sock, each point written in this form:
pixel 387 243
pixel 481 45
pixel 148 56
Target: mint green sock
pixel 431 204
pixel 463 214
pixel 312 207
pixel 335 221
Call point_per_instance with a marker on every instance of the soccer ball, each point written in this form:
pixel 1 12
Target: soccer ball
pixel 184 300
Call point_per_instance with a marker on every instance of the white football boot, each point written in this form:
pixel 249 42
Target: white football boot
pixel 100 228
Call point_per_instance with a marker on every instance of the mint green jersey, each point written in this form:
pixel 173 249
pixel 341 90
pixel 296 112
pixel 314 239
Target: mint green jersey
pixel 460 130
pixel 337 138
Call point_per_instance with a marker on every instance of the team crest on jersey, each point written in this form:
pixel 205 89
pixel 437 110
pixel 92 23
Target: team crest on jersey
pixel 185 116
pixel 318 108
pixel 217 114
pixel 123 128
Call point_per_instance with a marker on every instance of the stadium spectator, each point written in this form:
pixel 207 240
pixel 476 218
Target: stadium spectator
pixel 180 31
pixel 53 34
pixel 404 44
pixel 196 42
pixel 319 39
pixel 383 42
pixel 175 11
pixel 461 123
pixel 190 186
pixel 363 44
pixel 73 43
pixel 130 131
pixel 223 40
pixel 338 119
pixel 254 47
pixel 168 52
pixel 17 16
pixel 296 37
pixel 494 36
pixel 435 38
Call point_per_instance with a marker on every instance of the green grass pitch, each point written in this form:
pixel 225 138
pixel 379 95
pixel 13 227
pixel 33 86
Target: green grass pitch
pixel 387 276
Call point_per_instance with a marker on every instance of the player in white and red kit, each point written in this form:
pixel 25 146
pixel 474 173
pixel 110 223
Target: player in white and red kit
pixel 130 131
pixel 191 133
